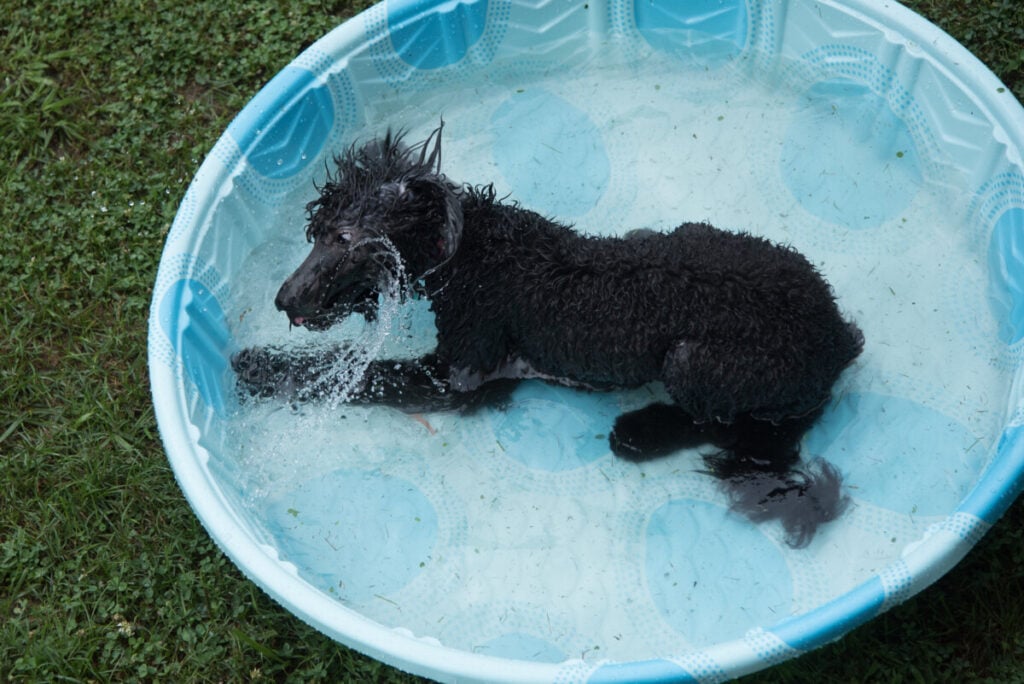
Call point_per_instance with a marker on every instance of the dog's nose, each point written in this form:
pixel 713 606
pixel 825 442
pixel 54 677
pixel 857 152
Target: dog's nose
pixel 288 296
pixel 280 301
pixel 289 301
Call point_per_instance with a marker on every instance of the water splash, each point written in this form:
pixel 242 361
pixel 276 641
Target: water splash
pixel 269 459
pixel 344 367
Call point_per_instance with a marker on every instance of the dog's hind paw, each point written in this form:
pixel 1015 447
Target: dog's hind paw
pixel 654 431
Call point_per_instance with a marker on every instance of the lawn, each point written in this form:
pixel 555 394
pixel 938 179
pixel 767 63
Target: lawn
pixel 106 111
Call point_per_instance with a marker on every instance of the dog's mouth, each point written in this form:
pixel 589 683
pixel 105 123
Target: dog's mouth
pixel 363 302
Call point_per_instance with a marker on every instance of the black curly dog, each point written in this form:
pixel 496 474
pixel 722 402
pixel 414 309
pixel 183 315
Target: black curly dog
pixel 744 334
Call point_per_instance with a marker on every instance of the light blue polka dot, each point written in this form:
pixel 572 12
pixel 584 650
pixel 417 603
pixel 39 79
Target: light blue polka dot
pixel 847 158
pixel 194 322
pixel 1006 274
pixel 897 453
pixel 642 671
pixel 555 428
pixel 355 533
pixel 711 31
pixel 519 646
pixel 711 574
pixel 286 125
pixel 430 35
pixel 551 153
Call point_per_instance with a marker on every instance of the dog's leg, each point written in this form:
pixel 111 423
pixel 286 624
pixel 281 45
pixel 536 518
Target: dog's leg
pixel 758 463
pixel 412 385
pixel 422 385
pixel 757 460
pixel 659 429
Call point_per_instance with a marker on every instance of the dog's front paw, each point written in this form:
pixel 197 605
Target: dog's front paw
pixel 262 372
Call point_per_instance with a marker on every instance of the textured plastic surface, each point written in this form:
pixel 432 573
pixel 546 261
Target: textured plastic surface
pixel 551 560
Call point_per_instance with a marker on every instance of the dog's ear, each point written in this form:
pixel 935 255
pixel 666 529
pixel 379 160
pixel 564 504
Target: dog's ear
pixel 451 233
pixel 441 243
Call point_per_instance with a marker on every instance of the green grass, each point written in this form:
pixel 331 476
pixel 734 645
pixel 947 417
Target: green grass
pixel 106 110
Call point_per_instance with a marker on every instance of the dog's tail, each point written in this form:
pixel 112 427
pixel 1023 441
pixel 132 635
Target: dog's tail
pixel 760 467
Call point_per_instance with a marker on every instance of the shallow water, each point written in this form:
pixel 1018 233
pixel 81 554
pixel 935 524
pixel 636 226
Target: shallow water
pixel 515 532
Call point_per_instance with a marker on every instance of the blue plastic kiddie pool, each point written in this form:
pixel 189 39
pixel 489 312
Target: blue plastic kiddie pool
pixel 510 544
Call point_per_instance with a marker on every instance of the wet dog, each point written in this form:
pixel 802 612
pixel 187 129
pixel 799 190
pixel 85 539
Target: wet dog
pixel 745 335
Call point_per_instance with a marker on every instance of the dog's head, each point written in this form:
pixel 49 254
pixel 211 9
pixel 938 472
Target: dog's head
pixel 387 211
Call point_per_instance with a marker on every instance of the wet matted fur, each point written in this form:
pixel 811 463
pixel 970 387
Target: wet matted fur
pixel 744 334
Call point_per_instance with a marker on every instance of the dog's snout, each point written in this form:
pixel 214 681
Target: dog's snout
pixel 284 299
pixel 287 296
pixel 295 298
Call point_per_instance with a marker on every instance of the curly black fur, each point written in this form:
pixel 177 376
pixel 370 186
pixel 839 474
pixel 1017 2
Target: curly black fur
pixel 745 334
